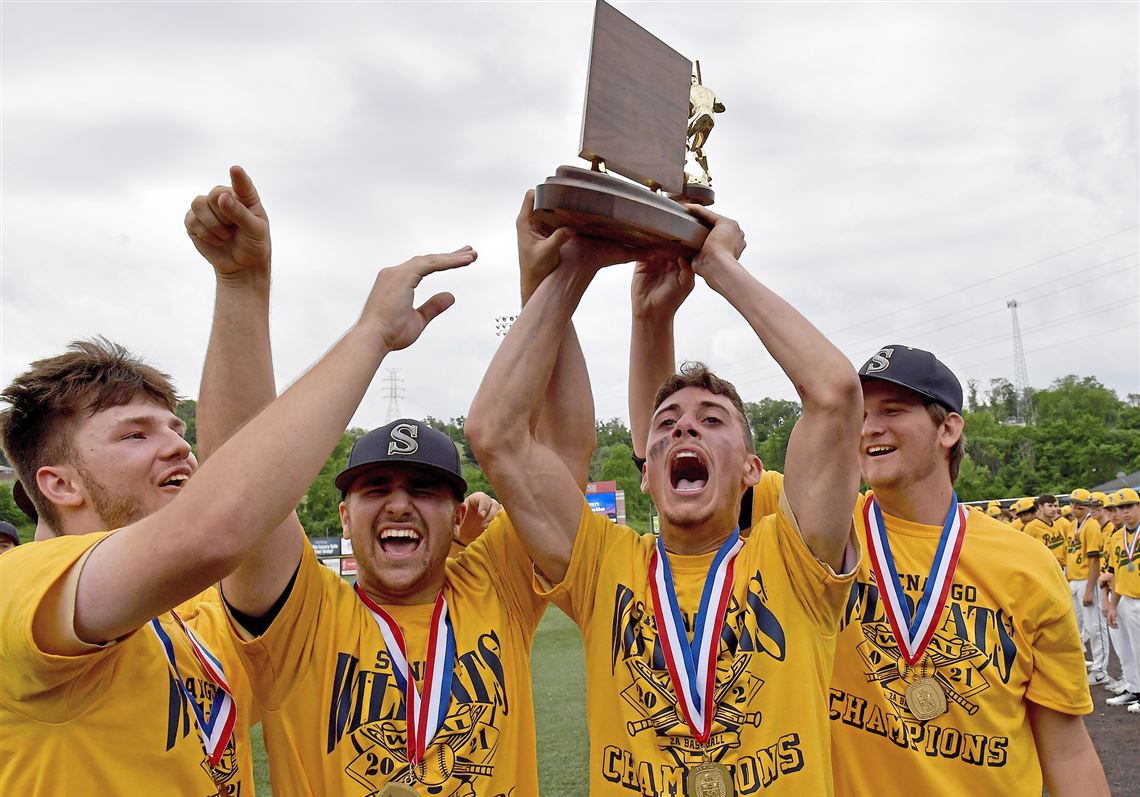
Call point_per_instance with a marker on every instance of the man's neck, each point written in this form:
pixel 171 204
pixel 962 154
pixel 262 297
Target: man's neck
pixel 696 540
pixel 925 503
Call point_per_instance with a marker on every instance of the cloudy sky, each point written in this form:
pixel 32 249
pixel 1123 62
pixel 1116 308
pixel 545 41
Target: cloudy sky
pixel 902 171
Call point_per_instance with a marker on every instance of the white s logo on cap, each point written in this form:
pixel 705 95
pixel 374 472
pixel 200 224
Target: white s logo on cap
pixel 404 439
pixel 880 361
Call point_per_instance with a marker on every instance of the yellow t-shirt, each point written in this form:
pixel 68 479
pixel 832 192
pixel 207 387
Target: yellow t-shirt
pixel 333 716
pixel 1017 524
pixel 1052 537
pixel 1007 637
pixel 1126 571
pixel 774 662
pixel 766 496
pixel 1106 532
pixel 1085 538
pixel 111 719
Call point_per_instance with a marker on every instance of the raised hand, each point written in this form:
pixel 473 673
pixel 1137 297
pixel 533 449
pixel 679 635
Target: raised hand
pixel 389 310
pixel 660 286
pixel 230 228
pixel 725 238
pixel 481 510
pixel 541 251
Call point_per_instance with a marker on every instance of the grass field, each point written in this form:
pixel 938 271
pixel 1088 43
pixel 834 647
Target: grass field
pixel 560 711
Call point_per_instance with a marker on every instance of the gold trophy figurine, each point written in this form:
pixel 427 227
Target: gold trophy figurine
pixel 644 126
pixel 703 103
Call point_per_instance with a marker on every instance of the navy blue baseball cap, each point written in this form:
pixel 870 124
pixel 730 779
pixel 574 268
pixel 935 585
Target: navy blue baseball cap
pixel 405 442
pixel 9 531
pixel 915 370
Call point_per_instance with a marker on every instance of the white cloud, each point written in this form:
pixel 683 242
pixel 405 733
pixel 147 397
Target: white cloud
pixel 880 156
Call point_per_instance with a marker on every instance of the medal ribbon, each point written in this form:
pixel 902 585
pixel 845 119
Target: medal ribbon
pixel 424 717
pixel 913 634
pixel 217 732
pixel 692 665
pixel 1129 547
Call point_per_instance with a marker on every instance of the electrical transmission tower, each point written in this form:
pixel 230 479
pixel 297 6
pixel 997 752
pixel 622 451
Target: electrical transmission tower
pixel 395 393
pixel 1020 372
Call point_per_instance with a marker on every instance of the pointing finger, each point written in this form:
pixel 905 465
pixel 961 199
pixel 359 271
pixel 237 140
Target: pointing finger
pixel 429 264
pixel 243 187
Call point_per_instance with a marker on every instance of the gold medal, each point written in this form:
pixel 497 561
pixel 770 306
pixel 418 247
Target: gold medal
pixel 396 789
pixel 925 699
pixel 709 779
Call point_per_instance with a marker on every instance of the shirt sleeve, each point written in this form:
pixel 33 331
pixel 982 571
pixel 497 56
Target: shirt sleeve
pixel 1057 680
pixel 498 556
pixel 41 651
pixel 279 659
pixel 597 535
pixel 821 592
pixel 1093 541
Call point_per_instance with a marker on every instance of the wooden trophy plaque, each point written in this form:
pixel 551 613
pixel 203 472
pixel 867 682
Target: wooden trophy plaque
pixel 634 124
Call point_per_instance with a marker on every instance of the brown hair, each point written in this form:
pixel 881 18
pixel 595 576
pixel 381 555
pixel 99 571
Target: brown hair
pixel 697 374
pixel 45 402
pixel 938 413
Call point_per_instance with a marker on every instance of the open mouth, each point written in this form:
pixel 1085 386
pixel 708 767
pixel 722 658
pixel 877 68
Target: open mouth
pixel 178 481
pixel 400 542
pixel 879 451
pixel 688 472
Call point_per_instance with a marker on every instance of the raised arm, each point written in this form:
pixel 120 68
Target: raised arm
pixel 566 417
pixel 821 469
pixel 251 484
pixel 230 229
pixel 656 293
pixel 538 490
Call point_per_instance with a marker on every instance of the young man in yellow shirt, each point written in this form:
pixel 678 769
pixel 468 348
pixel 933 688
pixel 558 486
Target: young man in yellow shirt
pixel 1082 568
pixel 1124 606
pixel 1047 528
pixel 707 656
pixel 1024 510
pixel 415 680
pixel 108 687
pixel 958 670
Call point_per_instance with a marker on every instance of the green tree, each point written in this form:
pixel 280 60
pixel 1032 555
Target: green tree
pixel 772 421
pixel 319 511
pixel 187 412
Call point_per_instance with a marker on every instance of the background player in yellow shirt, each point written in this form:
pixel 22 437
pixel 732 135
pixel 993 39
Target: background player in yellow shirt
pixel 1046 527
pixel 94 664
pixel 1082 568
pixel 329 662
pixel 1024 510
pixel 707 656
pixel 1124 609
pixel 958 670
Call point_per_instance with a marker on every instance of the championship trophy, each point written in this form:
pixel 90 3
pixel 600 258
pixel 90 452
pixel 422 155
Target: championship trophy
pixel 647 117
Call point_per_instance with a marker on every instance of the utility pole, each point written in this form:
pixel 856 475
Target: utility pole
pixel 1020 372
pixel 395 393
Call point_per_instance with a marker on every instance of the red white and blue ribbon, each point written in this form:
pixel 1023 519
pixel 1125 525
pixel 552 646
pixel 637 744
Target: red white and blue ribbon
pixel 1129 548
pixel 215 732
pixel 913 634
pixel 692 665
pixel 426 715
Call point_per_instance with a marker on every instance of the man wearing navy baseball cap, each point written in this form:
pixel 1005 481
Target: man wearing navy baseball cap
pixel 959 670
pixel 415 679
pixel 9 536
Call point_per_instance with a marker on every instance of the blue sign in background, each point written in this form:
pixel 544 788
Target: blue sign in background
pixel 603 503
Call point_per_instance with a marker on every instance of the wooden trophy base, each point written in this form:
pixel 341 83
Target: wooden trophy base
pixel 599 205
